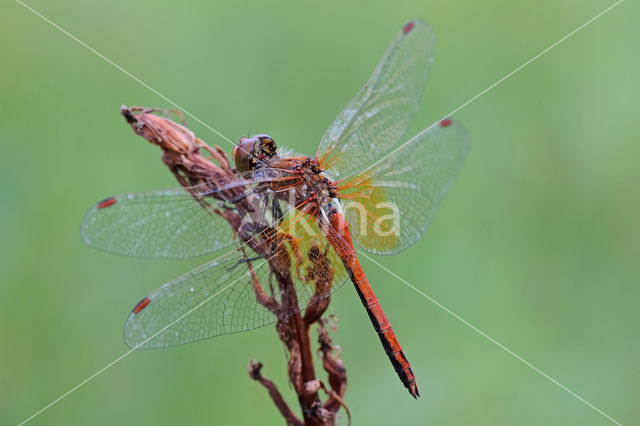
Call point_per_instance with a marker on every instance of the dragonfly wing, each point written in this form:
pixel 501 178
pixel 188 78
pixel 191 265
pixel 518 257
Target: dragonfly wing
pixel 168 224
pixel 215 298
pixel 316 267
pixel 223 296
pixel 390 205
pixel 380 114
pixel 177 223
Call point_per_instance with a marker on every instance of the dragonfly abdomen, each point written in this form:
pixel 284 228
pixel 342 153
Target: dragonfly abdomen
pixel 340 238
pixel 385 332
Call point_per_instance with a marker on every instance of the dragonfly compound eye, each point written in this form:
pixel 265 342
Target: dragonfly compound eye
pixel 252 151
pixel 266 148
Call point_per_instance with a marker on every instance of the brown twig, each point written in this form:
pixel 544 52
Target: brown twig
pixel 278 400
pixel 335 369
pixel 182 153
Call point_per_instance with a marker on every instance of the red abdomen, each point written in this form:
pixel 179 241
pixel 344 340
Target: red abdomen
pixel 369 300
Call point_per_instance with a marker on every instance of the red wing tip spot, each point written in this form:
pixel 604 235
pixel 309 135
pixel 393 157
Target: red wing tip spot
pixel 141 305
pixel 106 202
pixel 446 122
pixel 407 28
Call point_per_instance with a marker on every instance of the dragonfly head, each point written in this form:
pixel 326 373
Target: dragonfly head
pixel 250 152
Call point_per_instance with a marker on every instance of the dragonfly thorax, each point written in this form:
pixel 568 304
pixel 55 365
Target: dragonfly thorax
pixel 318 186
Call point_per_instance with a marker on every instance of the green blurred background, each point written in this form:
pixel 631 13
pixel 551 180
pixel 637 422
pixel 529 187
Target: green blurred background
pixel 537 244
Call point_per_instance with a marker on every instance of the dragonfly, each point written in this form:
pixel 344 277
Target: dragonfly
pixel 277 217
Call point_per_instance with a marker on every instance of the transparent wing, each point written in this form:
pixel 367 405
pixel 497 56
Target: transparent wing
pixel 168 223
pixel 379 115
pixel 174 223
pixel 233 294
pixel 213 299
pixel 390 205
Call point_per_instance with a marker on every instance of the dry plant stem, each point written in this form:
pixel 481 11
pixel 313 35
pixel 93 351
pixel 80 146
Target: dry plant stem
pixel 283 407
pixel 182 153
pixel 334 368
